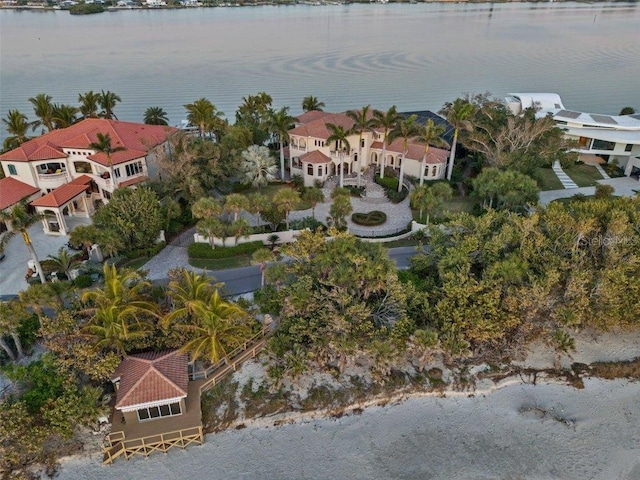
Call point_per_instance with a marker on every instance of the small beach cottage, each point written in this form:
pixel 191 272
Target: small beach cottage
pixel 156 406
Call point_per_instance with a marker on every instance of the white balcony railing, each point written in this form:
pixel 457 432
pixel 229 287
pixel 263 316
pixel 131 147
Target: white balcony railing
pixel 52 180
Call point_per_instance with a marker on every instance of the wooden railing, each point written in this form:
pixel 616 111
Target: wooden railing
pixel 145 446
pixel 249 349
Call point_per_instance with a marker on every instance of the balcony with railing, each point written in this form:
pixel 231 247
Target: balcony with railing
pixel 53 179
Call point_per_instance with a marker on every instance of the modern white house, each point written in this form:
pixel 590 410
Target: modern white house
pixel 311 156
pixel 71 177
pixel 614 138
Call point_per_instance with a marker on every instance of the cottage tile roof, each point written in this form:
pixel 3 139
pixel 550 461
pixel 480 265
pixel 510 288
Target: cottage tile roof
pixel 60 196
pixel 12 191
pixel 435 155
pixel 315 157
pixel 137 138
pixel 151 377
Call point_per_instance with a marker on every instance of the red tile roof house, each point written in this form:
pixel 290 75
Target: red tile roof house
pixel 312 157
pixel 156 407
pixel 72 176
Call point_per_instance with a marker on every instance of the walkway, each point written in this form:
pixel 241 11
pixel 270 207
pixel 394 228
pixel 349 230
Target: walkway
pixel 623 187
pixel 563 177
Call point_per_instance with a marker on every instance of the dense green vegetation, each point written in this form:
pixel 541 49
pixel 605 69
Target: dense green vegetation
pixel 86 9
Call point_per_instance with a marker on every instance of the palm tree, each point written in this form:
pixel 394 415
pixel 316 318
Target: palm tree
pixel 235 203
pixel 457 115
pixel 43 108
pixel 103 145
pixel 89 104
pixel 121 287
pixel 206 207
pixel 339 135
pixel 429 198
pixel 62 260
pixel 155 116
pixel 405 129
pixel 19 220
pixel 286 200
pixel 85 235
pixel 204 114
pixel 108 101
pixel 257 204
pixel 64 115
pixel 313 195
pixel 11 314
pixel 240 228
pixel 17 127
pixel 111 324
pixel 258 166
pixel 212 228
pixel 386 121
pixel 279 123
pixel 430 135
pixel 119 309
pixel 362 122
pixel 312 103
pixel 216 329
pixel 261 257
pixel 186 292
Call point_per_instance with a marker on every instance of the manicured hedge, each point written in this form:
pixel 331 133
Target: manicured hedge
pixel 369 219
pixel 387 182
pixel 204 250
pixel 83 281
pixel 145 252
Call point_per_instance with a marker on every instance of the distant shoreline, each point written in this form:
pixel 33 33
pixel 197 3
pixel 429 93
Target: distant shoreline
pixel 43 8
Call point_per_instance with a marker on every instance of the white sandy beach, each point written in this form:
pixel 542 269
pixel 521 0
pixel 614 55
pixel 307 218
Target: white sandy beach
pixel 461 437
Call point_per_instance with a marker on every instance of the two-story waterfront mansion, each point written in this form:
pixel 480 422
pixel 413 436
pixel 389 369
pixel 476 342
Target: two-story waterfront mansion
pixel 63 175
pixel 311 156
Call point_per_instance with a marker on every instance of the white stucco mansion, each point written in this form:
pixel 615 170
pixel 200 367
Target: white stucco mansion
pixel 615 138
pixel 62 175
pixel 311 156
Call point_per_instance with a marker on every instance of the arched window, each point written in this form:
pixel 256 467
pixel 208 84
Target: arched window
pixel 434 171
pixel 310 170
pixel 319 170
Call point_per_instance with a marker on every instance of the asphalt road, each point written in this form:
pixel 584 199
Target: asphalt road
pixel 247 279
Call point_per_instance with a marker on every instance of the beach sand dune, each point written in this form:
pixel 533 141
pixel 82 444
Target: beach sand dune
pixel 548 431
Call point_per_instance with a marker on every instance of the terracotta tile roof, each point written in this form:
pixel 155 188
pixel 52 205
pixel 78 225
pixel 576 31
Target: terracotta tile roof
pixel 318 128
pixel 151 377
pixel 310 116
pixel 416 151
pixel 81 180
pixel 60 196
pixel 136 137
pixel 12 191
pixel 315 157
pixel 133 181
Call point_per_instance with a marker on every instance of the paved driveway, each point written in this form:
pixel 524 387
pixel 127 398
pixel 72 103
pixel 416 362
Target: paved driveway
pixel 14 267
pixel 624 187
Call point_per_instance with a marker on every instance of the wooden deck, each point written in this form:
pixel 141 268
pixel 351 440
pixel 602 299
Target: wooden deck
pixel 162 434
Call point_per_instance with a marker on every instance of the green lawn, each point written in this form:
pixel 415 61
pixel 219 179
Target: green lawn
pixel 584 175
pixel 548 180
pixel 271 189
pixel 136 263
pixel 221 263
pixel 453 205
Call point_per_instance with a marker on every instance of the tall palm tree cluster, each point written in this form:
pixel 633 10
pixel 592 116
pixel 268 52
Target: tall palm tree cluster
pixel 52 116
pixel 123 316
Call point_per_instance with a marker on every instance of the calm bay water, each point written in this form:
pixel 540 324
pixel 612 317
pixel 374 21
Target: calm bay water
pixel 413 55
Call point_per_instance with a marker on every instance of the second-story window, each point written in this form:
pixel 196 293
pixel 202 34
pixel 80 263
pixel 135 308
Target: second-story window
pixel 12 169
pixel 134 169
